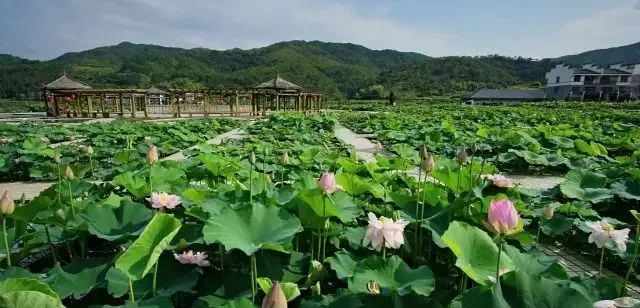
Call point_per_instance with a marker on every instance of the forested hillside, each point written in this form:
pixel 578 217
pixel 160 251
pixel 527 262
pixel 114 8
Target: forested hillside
pixel 337 69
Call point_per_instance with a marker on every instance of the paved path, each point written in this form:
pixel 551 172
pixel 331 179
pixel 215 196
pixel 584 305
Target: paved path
pixel 572 261
pixel 237 133
pixel 33 189
pixel 365 149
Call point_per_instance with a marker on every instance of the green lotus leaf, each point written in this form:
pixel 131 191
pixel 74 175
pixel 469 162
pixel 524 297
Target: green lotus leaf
pixel 77 278
pixel 343 264
pixel 521 290
pixel 251 229
pixel 557 225
pixel 289 289
pixel 585 185
pixel 113 224
pixel 140 257
pixel 628 190
pixel 211 301
pixel 341 207
pixel 392 275
pixel 26 292
pixel 172 277
pixel 477 254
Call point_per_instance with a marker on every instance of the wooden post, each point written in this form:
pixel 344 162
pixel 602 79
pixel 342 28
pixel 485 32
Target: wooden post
pixel 56 106
pixel 236 102
pixel 121 103
pixel 132 98
pixel 205 108
pixel 144 108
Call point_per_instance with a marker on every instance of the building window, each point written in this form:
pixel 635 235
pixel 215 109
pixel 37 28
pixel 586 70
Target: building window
pixel 624 78
pixel 558 79
pixel 576 78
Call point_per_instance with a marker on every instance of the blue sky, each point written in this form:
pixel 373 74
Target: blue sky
pixel 44 29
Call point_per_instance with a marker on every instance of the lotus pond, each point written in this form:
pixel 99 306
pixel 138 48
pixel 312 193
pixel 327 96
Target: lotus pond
pixel 289 216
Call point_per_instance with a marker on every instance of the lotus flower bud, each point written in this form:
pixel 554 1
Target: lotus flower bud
pixel 327 183
pixel 427 164
pixel 462 156
pixel 56 158
pixel 152 155
pixel 252 157
pixel 6 204
pixel 284 159
pixel 275 298
pixel 88 150
pixel 147 138
pixel 423 152
pixel 548 212
pixel 503 217
pixel 68 173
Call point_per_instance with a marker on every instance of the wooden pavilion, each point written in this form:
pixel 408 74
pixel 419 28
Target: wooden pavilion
pixel 65 96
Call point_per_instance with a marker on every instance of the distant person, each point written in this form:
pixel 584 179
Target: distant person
pixel 392 99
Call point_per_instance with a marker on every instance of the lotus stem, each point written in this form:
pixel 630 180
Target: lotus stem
pixel 150 182
pixel 73 211
pixel 601 260
pixel 264 176
pixel 132 296
pixel 633 261
pixel 6 241
pixel 424 196
pixel 384 250
pixel 313 244
pixel 499 255
pixel 281 175
pixel 155 276
pixel 59 184
pixel 93 175
pixel 69 251
pixel 251 185
pixel 221 250
pixel 538 234
pixel 53 249
pixel 254 276
pixel 417 204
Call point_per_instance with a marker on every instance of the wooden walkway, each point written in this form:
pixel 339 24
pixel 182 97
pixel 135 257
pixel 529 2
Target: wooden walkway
pixel 572 261
pixel 33 189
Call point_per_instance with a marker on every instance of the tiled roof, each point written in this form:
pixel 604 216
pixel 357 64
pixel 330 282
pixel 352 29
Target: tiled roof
pixel 508 94
pixel 64 83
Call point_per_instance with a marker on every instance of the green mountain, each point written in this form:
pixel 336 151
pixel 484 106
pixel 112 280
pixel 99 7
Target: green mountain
pixel 333 68
pixel 629 54
pixel 336 69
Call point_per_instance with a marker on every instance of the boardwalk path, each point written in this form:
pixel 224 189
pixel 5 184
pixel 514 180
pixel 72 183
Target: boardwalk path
pixel 571 260
pixel 33 189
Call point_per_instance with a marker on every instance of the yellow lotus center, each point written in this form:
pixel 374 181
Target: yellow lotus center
pixel 608 228
pixel 164 198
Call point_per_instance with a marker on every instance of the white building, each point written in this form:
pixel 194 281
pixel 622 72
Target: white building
pixel 616 82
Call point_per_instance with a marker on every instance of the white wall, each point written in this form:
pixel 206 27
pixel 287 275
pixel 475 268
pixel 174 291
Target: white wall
pixel 563 71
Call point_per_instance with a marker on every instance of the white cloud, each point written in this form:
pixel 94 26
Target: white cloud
pixel 225 24
pixel 615 26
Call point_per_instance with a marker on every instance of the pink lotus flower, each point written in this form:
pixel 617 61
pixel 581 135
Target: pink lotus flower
pixel 161 200
pixel 189 257
pixel 503 217
pixel 500 180
pixel 275 298
pixel 384 231
pixel 602 231
pixel 327 183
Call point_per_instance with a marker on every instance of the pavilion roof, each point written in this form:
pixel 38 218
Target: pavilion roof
pixel 65 83
pixel 155 91
pixel 278 83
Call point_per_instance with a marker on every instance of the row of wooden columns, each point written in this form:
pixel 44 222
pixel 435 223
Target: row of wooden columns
pixel 257 103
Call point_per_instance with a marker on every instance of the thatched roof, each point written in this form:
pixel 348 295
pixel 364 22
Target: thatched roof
pixel 155 91
pixel 65 83
pixel 278 83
